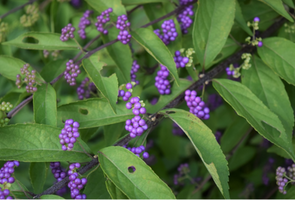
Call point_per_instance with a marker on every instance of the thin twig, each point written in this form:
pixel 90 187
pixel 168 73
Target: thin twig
pixel 17 8
pixel 19 107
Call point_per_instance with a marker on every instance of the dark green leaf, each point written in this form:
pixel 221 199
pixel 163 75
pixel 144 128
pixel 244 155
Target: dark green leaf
pixel 247 105
pixel 289 3
pixel 205 144
pixel 239 18
pixel 268 87
pixel 17 190
pixel 278 7
pixel 93 113
pixel 274 54
pixel 43 41
pixel 279 151
pixel 114 192
pixel 52 69
pixel 212 24
pixel 10 67
pixel 45 105
pixel 241 157
pixel 136 2
pixel 142 183
pixel 112 133
pixel 108 86
pixel 37 143
pixel 38 172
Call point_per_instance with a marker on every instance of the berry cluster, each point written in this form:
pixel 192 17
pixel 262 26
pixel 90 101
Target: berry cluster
pixel 76 3
pixel 162 83
pixel 67 32
pixel 134 69
pixel 177 130
pixel 183 169
pixel 184 20
pixel 214 101
pixel 76 184
pixel 179 60
pixel 126 95
pixel 281 181
pixel 4 107
pixel 3 31
pixel 103 19
pixel 59 174
pixel 6 179
pixel 72 71
pixel 122 25
pixel 169 32
pixel 31 16
pixel 29 79
pixel 69 134
pixel 84 21
pixel 138 150
pixel 136 126
pixel 85 89
pixel 266 170
pixel 184 2
pixel 196 105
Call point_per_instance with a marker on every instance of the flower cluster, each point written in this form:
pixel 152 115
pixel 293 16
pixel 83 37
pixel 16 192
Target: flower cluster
pixel 84 21
pixel 54 54
pixel 69 134
pixel 72 71
pixel 123 25
pixel 76 184
pixel 169 32
pixel 103 19
pixel 31 16
pixel 6 179
pixel 254 41
pixel 139 150
pixel 29 79
pixel 59 174
pixel 162 82
pixel 184 20
pixel 134 69
pixel 85 89
pixel 179 60
pixel 281 180
pixel 126 95
pixel 4 107
pixel 67 32
pixel 288 29
pixel 196 105
pixel 3 31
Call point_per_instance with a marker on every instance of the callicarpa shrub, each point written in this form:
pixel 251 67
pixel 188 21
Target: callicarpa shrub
pixel 147 99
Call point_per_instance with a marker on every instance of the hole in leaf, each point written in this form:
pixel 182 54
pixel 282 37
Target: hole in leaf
pixel 170 112
pixel 83 111
pixel 30 40
pixel 131 169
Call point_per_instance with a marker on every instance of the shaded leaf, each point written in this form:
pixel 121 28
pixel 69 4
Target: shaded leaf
pixel 52 69
pixel 112 133
pixel 278 7
pixel 241 157
pixel 38 172
pixel 289 3
pixel 51 196
pixel 136 2
pixel 114 192
pixel 239 18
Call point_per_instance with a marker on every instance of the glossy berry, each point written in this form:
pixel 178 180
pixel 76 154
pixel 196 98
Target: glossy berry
pixel 168 30
pixel 162 83
pixel 123 25
pixel 281 180
pixel 71 72
pixel 6 178
pixel 69 134
pixel 85 89
pixel 179 60
pixel 59 174
pixel 196 105
pixel 76 184
pixel 184 19
pixel 259 44
pixel 135 67
pixel 138 151
pixel 84 21
pixel 103 19
pixel 256 19
pixel 67 32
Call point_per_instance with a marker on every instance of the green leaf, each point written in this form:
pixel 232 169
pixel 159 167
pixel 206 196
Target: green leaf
pixel 205 144
pixel 121 54
pixel 239 18
pixel 95 187
pixel 108 86
pixel 17 190
pixel 137 2
pixel 278 7
pixel 156 48
pixel 241 157
pixel 142 183
pixel 51 196
pixel 43 41
pixel 37 143
pixel 45 105
pixel 279 151
pixel 269 88
pixel 247 105
pixel 10 67
pixel 102 5
pixel 165 99
pixel 93 113
pixel 289 3
pixel 114 192
pixel 282 62
pixel 112 133
pixel 212 24
pixel 38 172
pixel 52 69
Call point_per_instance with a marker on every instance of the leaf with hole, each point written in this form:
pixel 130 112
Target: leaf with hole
pixel 205 144
pixel 108 86
pixel 249 106
pixel 42 41
pixel 156 48
pixel 132 175
pixel 37 143
pixel 212 25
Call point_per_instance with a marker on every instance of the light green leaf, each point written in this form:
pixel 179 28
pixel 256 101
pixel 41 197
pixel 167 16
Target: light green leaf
pixel 114 192
pixel 279 151
pixel 278 7
pixel 156 48
pixel 269 88
pixel 95 187
pixel 38 172
pixel 102 5
pixel 137 2
pixel 121 54
pixel 205 144
pixel 212 24
pixel 93 113
pixel 274 54
pixel 142 183
pixel 108 86
pixel 165 99
pixel 247 105
pixel 239 18
pixel 44 41
pixel 44 103
pixel 51 196
pixel 37 143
